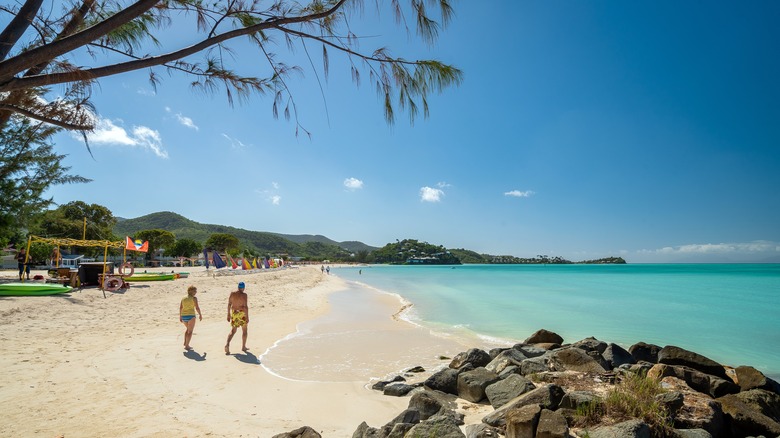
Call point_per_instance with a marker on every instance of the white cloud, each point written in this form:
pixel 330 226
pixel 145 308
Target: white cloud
pixel 234 142
pixel 443 185
pixel 758 251
pixel 146 92
pixel 429 194
pixel 353 183
pixel 186 121
pixel 108 133
pixel 276 199
pixel 519 194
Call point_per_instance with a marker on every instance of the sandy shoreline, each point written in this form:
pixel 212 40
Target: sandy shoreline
pixel 82 365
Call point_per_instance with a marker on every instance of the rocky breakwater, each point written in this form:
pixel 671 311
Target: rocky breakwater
pixel 590 388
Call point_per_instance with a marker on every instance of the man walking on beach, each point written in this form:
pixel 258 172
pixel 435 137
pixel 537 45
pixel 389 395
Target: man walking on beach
pixel 237 316
pixel 23 267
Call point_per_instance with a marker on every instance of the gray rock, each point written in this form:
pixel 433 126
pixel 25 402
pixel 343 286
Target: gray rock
pixel 691 433
pixel 574 359
pixel 535 365
pixel 672 355
pixel 440 426
pixel 521 422
pixel 552 425
pixel 475 356
pixel 472 384
pixel 578 399
pixel 380 385
pixel 508 371
pixel 364 431
pixel 400 430
pixel 409 416
pixel 547 396
pixel 702 382
pixel 700 411
pixel 644 352
pixel 445 380
pixel 504 390
pixel 626 429
pixel 397 389
pixel 750 378
pixel 529 351
pixel 301 432
pixel 591 344
pixel 504 359
pixel 766 402
pixel 429 403
pixel 616 356
pixel 481 430
pixel 672 400
pixel 544 337
pixel 745 420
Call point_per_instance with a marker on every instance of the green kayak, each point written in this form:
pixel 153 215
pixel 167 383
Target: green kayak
pixel 150 277
pixel 32 289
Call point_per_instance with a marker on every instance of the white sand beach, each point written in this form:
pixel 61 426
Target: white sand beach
pixel 81 365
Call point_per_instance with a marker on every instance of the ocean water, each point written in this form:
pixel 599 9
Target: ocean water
pixel 727 312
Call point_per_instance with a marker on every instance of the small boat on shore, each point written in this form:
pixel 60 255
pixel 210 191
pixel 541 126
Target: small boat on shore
pixel 32 289
pixel 150 277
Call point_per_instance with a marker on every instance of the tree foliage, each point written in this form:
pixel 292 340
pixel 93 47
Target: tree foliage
pixel 410 251
pixel 68 221
pixel 184 248
pixel 28 167
pixel 223 242
pixel 39 42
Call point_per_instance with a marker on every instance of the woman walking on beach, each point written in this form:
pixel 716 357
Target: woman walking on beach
pixel 187 309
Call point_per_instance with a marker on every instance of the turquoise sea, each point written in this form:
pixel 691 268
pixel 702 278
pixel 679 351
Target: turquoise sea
pixel 727 312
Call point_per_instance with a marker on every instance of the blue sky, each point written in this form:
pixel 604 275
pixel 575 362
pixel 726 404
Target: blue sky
pixel 648 130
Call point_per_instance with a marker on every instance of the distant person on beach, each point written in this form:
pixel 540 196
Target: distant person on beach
pixel 327 270
pixel 237 316
pixel 23 267
pixel 187 309
pixel 322 268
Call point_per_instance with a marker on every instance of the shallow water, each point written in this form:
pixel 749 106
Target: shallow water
pixel 727 312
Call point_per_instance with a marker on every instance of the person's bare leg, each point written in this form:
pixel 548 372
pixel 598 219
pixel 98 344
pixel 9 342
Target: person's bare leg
pixel 230 336
pixel 188 334
pixel 243 337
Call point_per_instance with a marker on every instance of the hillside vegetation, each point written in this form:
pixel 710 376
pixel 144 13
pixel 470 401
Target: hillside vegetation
pixel 257 242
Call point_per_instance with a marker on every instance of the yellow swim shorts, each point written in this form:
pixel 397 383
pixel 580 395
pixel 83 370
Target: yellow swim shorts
pixel 237 318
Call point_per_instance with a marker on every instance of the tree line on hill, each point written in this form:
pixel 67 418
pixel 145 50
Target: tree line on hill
pixel 177 236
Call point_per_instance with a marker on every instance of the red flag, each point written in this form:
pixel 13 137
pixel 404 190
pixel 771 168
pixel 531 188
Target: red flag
pixel 136 245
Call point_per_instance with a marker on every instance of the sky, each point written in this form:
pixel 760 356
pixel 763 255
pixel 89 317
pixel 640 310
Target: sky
pixel 646 130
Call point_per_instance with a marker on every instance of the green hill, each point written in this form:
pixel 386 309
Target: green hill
pixel 308 246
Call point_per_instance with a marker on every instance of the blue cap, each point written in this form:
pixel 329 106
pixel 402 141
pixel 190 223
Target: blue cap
pixel 241 285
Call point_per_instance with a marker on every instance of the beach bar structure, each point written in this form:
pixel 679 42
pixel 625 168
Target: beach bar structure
pixel 58 242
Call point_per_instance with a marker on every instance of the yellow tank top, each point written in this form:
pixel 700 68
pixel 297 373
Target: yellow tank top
pixel 188 306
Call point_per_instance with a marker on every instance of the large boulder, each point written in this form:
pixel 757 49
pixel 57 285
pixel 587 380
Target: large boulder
pixel 535 365
pixel 504 359
pixel 591 344
pixel 745 420
pixel 380 385
pixel 440 426
pixel 301 432
pixel 575 359
pixel 475 356
pixel 397 389
pixel 699 410
pixel 430 403
pixel 521 422
pixel 530 350
pixel 615 356
pixel 482 430
pixel 472 384
pixel 544 337
pixel 704 383
pixel 506 389
pixel 575 400
pixel 750 378
pixel 626 429
pixel 672 355
pixel 547 396
pixel 766 402
pixel 644 352
pixel 445 381
pixel 552 424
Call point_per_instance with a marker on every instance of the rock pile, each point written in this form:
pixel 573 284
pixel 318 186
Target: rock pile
pixel 543 387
